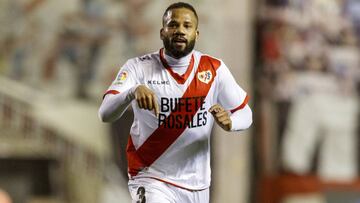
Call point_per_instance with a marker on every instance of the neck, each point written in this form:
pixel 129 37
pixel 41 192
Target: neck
pixel 177 62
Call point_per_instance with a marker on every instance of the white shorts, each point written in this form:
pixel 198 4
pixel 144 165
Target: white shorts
pixel 148 190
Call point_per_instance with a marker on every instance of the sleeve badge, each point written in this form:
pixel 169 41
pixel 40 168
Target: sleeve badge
pixel 121 78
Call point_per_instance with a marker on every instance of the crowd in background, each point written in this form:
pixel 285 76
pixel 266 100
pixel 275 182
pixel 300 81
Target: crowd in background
pixel 69 50
pixel 72 48
pixel 310 71
pixel 309 66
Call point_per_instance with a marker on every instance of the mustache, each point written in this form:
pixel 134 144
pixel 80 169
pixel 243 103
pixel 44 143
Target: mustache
pixel 179 39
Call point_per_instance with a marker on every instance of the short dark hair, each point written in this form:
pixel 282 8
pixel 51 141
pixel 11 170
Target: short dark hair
pixel 181 5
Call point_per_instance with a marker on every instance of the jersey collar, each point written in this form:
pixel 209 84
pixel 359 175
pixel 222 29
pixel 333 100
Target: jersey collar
pixel 179 78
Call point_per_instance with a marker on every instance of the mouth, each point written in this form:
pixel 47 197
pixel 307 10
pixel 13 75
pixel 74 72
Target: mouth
pixel 179 41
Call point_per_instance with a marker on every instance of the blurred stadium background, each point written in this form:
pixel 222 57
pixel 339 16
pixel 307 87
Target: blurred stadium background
pixel 298 59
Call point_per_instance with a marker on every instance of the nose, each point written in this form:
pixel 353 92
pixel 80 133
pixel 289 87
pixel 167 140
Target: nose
pixel 180 30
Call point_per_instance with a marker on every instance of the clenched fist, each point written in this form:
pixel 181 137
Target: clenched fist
pixel 221 117
pixel 146 99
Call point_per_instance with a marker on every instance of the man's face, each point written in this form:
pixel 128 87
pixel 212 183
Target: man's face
pixel 179 32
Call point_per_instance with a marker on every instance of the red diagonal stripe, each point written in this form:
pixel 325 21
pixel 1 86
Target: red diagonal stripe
pixel 134 162
pixel 163 137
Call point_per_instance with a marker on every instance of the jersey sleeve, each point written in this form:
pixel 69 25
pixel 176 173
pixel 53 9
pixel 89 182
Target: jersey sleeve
pixel 124 80
pixel 230 95
pixel 119 95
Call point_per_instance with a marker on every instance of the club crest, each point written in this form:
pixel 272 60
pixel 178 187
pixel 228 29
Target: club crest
pixel 205 76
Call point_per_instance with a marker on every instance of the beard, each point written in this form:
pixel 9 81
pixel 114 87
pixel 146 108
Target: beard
pixel 178 53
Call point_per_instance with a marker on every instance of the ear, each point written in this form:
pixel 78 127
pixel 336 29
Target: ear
pixel 197 35
pixel 162 33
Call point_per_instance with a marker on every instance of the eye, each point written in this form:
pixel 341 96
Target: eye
pixel 188 25
pixel 172 25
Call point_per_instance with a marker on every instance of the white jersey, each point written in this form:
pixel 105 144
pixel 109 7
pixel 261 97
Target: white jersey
pixel 175 146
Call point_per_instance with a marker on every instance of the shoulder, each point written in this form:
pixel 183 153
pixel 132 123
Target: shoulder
pixel 208 59
pixel 144 60
pixel 140 65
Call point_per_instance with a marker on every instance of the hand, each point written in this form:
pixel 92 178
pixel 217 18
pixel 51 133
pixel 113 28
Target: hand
pixel 221 116
pixel 146 99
